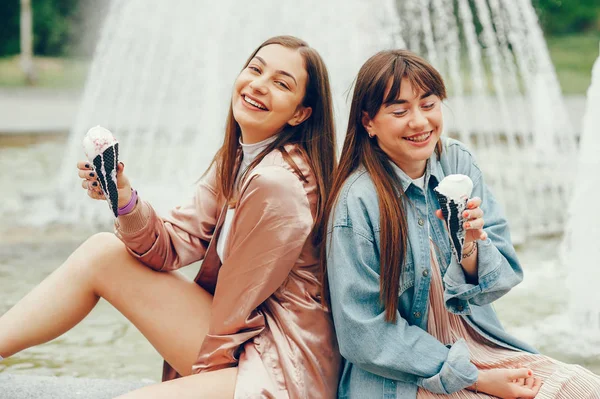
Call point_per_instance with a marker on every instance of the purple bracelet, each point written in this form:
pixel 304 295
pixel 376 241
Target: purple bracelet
pixel 130 205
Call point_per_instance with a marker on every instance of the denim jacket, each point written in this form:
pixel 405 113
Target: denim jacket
pixel 391 360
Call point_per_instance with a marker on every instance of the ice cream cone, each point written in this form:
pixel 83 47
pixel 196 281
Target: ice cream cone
pixel 453 193
pixel 102 150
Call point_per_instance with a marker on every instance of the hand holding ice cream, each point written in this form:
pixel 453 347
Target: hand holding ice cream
pixel 87 173
pixel 462 214
pixel 474 214
pixel 103 173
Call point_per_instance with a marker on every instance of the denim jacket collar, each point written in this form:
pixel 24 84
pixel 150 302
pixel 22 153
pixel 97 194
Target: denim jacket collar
pixel 432 169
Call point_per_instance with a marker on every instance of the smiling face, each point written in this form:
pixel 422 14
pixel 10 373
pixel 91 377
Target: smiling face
pixel 407 128
pixel 268 93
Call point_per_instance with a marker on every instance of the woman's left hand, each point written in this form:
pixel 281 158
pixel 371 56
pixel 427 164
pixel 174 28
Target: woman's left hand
pixel 474 220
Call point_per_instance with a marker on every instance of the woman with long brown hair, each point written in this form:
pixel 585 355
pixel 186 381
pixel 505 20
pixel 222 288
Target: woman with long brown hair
pixel 411 320
pixel 251 324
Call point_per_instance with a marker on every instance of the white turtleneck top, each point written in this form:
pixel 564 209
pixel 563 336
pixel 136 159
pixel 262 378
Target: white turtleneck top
pixel 249 154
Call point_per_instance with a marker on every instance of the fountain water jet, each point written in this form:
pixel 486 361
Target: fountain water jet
pixel 572 328
pixel 581 252
pixel 504 99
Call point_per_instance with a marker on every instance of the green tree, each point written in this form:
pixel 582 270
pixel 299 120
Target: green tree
pixel 568 16
pixel 9 27
pixel 52 26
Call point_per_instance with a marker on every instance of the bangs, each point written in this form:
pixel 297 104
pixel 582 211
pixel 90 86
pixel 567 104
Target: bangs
pixel 422 77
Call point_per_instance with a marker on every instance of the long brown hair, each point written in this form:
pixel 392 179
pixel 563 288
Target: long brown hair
pixel 369 95
pixel 315 136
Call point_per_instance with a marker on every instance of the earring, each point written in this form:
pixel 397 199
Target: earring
pixel 371 135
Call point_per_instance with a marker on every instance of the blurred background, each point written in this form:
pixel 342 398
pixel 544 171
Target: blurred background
pixel 159 75
pixel 64 34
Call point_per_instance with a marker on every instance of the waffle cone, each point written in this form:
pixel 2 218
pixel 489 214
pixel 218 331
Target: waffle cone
pixel 105 166
pixel 453 216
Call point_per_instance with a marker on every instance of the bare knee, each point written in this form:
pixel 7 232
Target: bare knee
pixel 104 242
pixel 98 255
pixel 104 245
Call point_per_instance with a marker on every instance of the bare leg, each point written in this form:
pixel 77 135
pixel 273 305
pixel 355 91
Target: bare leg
pixel 215 385
pixel 170 311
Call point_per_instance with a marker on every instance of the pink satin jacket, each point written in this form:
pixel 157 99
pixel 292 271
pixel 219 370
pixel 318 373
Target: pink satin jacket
pixel 266 316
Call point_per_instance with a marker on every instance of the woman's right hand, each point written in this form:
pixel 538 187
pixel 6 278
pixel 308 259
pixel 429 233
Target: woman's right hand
pixel 508 383
pixel 92 185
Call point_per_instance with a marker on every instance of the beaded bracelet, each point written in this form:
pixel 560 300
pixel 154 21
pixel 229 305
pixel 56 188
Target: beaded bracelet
pixel 130 205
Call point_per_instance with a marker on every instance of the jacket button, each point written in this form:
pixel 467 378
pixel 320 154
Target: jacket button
pixel 417 314
pixel 425 273
pixel 421 222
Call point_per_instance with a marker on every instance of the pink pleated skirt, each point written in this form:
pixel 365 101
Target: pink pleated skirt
pixel 560 380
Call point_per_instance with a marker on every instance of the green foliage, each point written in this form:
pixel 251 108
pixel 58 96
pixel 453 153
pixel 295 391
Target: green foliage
pixel 560 17
pixel 55 25
pixel 573 57
pixel 9 27
pixel 52 25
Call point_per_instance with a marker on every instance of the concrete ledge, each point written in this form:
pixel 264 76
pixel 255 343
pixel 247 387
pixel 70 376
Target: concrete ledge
pixel 15 386
pixel 37 110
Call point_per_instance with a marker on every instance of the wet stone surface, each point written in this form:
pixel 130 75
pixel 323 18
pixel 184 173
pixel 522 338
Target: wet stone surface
pixel 30 387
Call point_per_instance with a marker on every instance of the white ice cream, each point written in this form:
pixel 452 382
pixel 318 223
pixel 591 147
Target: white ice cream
pixel 456 187
pixel 96 140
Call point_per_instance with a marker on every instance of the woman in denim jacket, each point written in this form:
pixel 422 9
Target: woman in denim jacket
pixel 410 320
